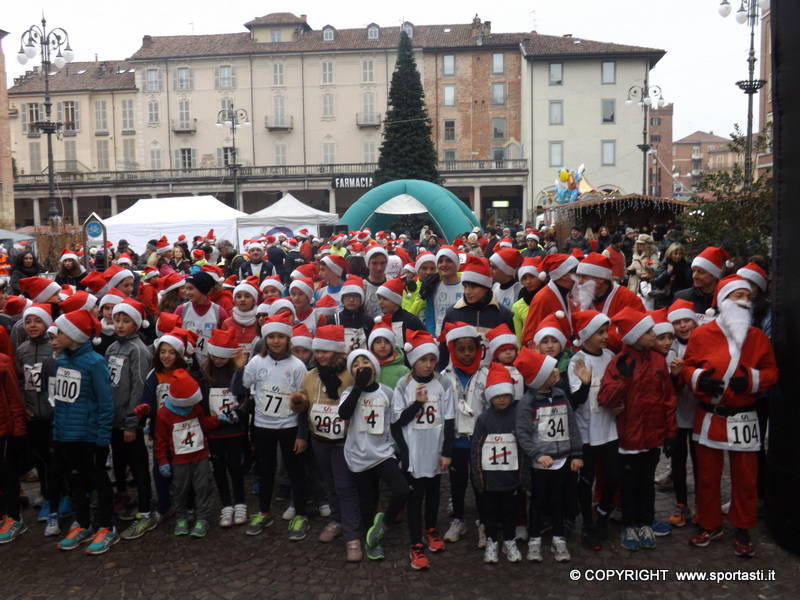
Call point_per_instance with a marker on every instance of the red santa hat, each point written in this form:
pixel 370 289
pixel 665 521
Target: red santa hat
pixel 410 269
pixel 356 249
pixel 578 254
pixel 254 245
pixel 44 312
pixel 595 265
pixel 230 282
pixel 305 285
pixel 373 360
pixel 183 389
pixel 275 305
pixel 310 270
pixel 448 252
pixel 558 265
pixel 149 272
pixel 498 381
pixel 381 235
pixel 167 322
pixel 216 273
pixel 113 297
pixel 419 344
pixel 662 324
pixel 16 304
pixel 506 243
pixel 336 263
pixel 392 290
pixel 535 368
pixel 353 285
pixel 222 343
pixel 632 324
pixel 374 250
pixel 382 328
pixel 508 260
pixel 532 235
pixel 125 259
pixel 94 282
pixel 362 236
pixel 80 326
pixel 134 309
pixel 530 266
pixel 210 236
pixel 554 324
pixel 476 270
pixel 80 300
pixel 182 239
pixel 423 257
pixel 67 253
pixel 180 340
pixel 754 273
pixel 586 324
pixel 329 338
pixel 302 233
pixel 248 286
pixel 498 338
pixel 162 245
pixel 114 275
pixel 713 260
pixel 38 289
pixel 274 282
pixel 728 285
pixel 292 244
pixel 453 331
pixel 681 309
pixel 301 336
pixel 281 324
pixel 171 282
pixel 326 305
pixel 66 291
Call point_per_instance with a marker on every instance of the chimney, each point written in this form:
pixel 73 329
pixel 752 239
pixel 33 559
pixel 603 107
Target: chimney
pixel 303 17
pixel 147 41
pixel 487 27
pixel 476 25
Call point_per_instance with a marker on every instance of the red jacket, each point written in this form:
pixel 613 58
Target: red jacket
pixel 148 295
pixel 164 448
pixel 244 333
pixel 12 409
pixel 224 298
pixel 647 399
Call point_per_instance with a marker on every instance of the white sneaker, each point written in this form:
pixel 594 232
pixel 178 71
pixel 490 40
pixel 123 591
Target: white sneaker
pixel 511 551
pixel 455 531
pixel 481 535
pixel 559 550
pixel 240 514
pixel 535 549
pixel 226 516
pixel 521 533
pixel 490 554
pixel 289 513
pixel 324 510
pixel 52 528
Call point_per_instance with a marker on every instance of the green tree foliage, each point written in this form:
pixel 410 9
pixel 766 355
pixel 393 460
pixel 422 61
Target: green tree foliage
pixel 407 150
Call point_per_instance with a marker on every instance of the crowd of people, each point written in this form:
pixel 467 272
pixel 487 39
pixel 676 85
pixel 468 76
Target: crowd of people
pixel 349 375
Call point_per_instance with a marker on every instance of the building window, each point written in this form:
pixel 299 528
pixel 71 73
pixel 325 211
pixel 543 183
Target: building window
pixel 370 153
pixel 327 72
pixel 35 157
pixel 225 78
pixel 498 93
pixel 327 105
pixel 449 155
pixel 183 78
pixel 449 131
pixel 183 113
pixel 655 121
pixel 30 116
pixel 608 109
pixel 556 154
pixel 129 154
pixel 186 158
pixel 275 35
pixel 127 115
pixel 449 93
pixel 327 34
pixel 498 63
pixel 499 128
pixel 226 107
pixel 153 116
pixel 100 116
pixel 155 157
pixel 556 73
pixel 152 80
pixel 409 29
pixel 608 71
pixel 70 155
pixel 277 74
pixel 556 112
pixel 280 154
pixel 498 153
pixel 654 139
pixel 608 153
pixel 368 104
pixel 225 156
pixel 328 153
pixel 448 64
pixel 373 32
pixel 279 105
pixel 69 114
pixel 368 71
pixel 102 155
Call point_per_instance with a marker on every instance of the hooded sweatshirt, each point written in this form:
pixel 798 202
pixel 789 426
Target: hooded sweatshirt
pixel 129 362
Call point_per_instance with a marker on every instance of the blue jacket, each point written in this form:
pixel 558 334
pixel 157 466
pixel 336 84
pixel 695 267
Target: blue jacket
pixel 90 417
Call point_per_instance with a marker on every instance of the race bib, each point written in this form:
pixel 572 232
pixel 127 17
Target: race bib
pixel 51 392
pixel 115 364
pixel 221 401
pixel 325 421
pixel 162 392
pixel 354 338
pixel 33 377
pixel 553 423
pixel 743 433
pixel 499 452
pixel 68 385
pixel 187 437
pixel 428 416
pixel 397 328
pixel 372 415
pixel 594 390
pixel 274 402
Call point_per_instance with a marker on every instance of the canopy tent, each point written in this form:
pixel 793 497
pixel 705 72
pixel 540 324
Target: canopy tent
pixel 150 218
pixel 14 236
pixel 287 212
pixel 379 207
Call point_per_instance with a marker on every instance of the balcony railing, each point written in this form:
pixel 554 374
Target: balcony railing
pixel 279 123
pixel 368 119
pixel 184 126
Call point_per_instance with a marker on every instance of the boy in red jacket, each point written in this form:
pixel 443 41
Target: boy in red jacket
pixel 12 434
pixel 638 388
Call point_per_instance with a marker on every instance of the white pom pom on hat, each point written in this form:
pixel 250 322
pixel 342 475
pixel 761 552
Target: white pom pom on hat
pixel 710 312
pixel 560 314
pixel 378 319
pixel 729 263
pixel 542 275
pixel 145 323
pixel 408 347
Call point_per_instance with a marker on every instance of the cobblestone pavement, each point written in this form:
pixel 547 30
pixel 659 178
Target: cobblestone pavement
pixel 230 565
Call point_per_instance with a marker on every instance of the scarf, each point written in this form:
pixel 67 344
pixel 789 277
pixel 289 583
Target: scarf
pixel 329 377
pixel 386 361
pixel 108 328
pixel 244 317
pixel 469 369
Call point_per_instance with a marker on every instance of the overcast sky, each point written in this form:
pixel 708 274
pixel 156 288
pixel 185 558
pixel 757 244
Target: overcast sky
pixel 706 54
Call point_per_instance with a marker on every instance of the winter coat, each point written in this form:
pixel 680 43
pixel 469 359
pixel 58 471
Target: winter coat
pixel 529 438
pixel 580 242
pixel 411 300
pixel 12 409
pixel 312 391
pixel 409 323
pixel 213 406
pixel 494 421
pixel 129 361
pixel 393 371
pixel 163 447
pixel 520 311
pixel 666 282
pixel 639 266
pixel 702 302
pixel 34 362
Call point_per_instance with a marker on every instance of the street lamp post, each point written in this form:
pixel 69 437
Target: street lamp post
pixel 233 118
pixel 646 96
pixel 49 42
pixel 748 13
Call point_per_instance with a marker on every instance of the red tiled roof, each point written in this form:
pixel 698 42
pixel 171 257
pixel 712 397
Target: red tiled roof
pixel 280 18
pixel 79 76
pixel 699 137
pixel 537 46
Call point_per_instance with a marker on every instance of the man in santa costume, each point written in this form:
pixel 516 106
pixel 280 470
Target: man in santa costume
pixel 707 269
pixel 728 364
pixel 596 289
pixel 555 295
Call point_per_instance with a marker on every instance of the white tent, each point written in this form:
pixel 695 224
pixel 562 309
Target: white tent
pixel 150 218
pixel 287 212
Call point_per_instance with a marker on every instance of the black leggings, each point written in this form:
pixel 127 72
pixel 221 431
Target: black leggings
pixel 134 455
pixel 226 459
pixel 459 478
pixel 424 490
pixel 550 488
pixel 638 489
pixel 367 485
pixel 86 464
pixel 9 478
pixel 607 455
pixel 683 448
pixel 52 480
pixel 267 442
pixel 500 508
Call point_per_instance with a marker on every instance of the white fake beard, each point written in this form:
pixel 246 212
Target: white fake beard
pixel 735 318
pixel 583 293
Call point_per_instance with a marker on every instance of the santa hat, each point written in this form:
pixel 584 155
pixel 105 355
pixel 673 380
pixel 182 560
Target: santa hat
pixel 149 272
pixel 595 265
pixel 230 282
pixel 419 344
pixel 124 259
pixel 662 324
pixel 183 389
pixel 392 290
pixel 292 244
pixel 305 285
pixel 578 254
pixel 67 253
pixel 326 305
pixel 43 312
pixel 754 273
pixel 374 250
pixel 632 324
pixel 281 323
pixel 507 260
pixel 558 265
pixel 171 282
pixel 113 297
pixel 728 285
pixel 476 270
pixel 506 243
pixel 453 331
pixel 277 304
pixel 586 323
pixel 254 245
pixel 215 272
pixel 535 368
pixel 498 381
pixel 80 326
pixel 448 252
pixel 248 286
pixel 182 239
pixel 114 275
pixel 362 236
pixel 498 338
pixel 310 270
pixel 336 263
pixel 66 291
pixel 532 236
pixel 382 328
pixel 210 236
pixel 180 340
pixel 410 269
pixel 381 235
pixel 16 304
pixel 373 360
pixel 222 343
pixel 94 282
pixel 356 249
pixel 302 233
pixel 329 338
pixel 272 281
pixel 80 300
pixel 167 322
pixel 424 257
pixel 162 245
pixel 713 260
pixel 681 309
pixel 301 336
pixel 134 309
pixel 324 251
pixel 353 285
pixel 530 266
pixel 38 289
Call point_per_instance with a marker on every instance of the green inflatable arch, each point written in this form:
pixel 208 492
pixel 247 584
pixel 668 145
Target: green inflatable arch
pixel 450 215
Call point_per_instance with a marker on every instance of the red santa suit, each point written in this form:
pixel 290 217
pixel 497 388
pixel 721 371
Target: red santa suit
pixel 545 302
pixel 618 298
pixel 728 422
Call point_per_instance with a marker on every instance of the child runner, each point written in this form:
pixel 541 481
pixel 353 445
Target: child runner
pixel 12 446
pixel 506 287
pixel 528 275
pixel 243 319
pixel 301 345
pixel 383 344
pixel 301 293
pixel 200 314
pixel 108 332
pixel 550 338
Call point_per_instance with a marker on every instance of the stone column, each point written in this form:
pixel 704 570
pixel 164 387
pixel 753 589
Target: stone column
pixel 114 208
pixel 75 212
pixel 476 201
pixel 37 217
pixel 331 200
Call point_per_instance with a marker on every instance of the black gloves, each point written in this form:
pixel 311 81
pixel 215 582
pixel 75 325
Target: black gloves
pixel 707 385
pixel 363 375
pixel 625 368
pixel 428 287
pixel 739 384
pixel 669 447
